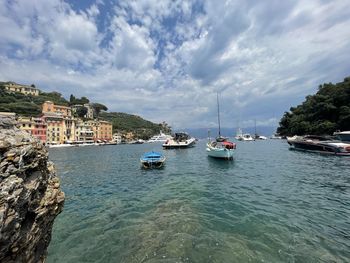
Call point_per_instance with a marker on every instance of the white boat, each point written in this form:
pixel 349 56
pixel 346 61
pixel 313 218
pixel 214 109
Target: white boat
pixel 260 137
pixel 239 134
pixel 180 140
pixel 220 148
pixel 161 137
pixel 343 136
pixel 247 137
pixel 276 137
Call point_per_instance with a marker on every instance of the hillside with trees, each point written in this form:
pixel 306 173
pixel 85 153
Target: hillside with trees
pixel 123 122
pixel 28 105
pixel 321 114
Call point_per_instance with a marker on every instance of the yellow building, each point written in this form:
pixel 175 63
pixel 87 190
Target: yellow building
pixel 55 129
pixel 60 123
pixel 24 89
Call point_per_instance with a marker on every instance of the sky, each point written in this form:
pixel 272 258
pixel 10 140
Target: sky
pixel 166 60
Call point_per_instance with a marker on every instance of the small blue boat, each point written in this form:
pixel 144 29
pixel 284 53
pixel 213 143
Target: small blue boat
pixel 152 160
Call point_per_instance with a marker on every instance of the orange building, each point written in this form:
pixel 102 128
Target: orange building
pixel 50 107
pixel 104 131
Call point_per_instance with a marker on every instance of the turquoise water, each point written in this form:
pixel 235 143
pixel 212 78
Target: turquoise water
pixel 270 204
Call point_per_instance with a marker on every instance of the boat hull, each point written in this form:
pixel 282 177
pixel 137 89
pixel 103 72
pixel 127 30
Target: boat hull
pixel 323 147
pixel 152 164
pixel 219 153
pixel 172 144
pixel 152 160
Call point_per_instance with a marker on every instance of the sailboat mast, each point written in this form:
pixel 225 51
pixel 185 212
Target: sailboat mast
pixel 217 99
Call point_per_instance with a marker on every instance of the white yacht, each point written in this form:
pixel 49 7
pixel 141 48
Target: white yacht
pixel 181 140
pixel 161 137
pixel 247 137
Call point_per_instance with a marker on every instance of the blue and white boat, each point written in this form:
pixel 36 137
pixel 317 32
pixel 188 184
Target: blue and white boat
pixel 152 160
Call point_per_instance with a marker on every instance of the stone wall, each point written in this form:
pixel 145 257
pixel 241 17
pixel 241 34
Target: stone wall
pixel 30 196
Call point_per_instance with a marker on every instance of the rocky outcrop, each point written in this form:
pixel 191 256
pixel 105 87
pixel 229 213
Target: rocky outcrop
pixel 30 196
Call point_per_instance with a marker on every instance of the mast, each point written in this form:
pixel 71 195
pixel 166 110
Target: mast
pixel 217 99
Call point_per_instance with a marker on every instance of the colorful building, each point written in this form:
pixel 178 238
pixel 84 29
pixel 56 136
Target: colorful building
pixel 35 126
pixel 60 123
pixel 84 132
pixel 103 130
pixel 50 107
pixel 24 89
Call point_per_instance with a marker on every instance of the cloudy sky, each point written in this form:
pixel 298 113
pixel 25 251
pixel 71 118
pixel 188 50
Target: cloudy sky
pixel 165 59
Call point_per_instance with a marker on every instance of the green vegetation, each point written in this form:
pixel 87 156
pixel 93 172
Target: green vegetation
pixel 75 101
pixel 320 114
pixel 27 105
pixel 143 129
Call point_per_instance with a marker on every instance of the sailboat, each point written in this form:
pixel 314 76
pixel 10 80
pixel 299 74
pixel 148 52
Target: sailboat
pixel 220 148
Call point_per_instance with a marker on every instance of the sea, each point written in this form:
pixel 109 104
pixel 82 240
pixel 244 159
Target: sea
pixel 269 204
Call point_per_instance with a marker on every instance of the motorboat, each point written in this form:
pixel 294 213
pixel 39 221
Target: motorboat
pixel 247 137
pixel 152 159
pixel 322 144
pixel 180 140
pixel 260 137
pixel 161 137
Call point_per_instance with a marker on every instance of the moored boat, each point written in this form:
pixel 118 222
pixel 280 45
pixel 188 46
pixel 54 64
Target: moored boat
pixel 220 148
pixel 321 144
pixel 152 160
pixel 161 137
pixel 180 140
pixel 247 137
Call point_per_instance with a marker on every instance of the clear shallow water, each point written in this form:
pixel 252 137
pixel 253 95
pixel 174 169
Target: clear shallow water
pixel 268 205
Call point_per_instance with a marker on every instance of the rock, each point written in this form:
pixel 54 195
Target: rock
pixel 30 196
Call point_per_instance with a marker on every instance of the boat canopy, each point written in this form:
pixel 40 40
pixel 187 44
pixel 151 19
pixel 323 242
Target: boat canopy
pixel 229 145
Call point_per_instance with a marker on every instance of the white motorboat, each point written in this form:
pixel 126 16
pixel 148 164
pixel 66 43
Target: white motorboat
pixel 260 137
pixel 161 137
pixel 247 137
pixel 180 140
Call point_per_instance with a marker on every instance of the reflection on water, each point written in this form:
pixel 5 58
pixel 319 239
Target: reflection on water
pixel 267 205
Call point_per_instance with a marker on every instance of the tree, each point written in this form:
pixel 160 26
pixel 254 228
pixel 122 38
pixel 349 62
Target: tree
pixel 81 111
pixel 323 113
pixel 98 107
pixel 72 99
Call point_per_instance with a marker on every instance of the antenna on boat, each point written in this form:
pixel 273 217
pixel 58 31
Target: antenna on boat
pixel 217 99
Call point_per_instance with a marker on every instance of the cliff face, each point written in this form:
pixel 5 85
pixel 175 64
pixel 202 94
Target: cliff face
pixel 30 196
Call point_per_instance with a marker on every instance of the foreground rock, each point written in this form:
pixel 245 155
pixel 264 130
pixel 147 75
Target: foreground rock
pixel 30 196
